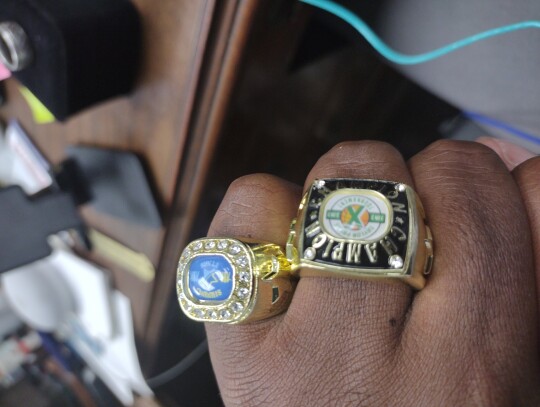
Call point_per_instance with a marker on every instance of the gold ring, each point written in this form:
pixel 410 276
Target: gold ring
pixel 361 228
pixel 232 281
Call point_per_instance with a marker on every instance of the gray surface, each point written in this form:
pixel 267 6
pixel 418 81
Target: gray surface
pixel 499 77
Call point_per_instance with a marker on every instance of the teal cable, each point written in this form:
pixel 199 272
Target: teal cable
pixel 403 59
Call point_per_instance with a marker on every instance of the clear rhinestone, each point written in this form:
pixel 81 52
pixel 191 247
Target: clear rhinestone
pixel 212 314
pixel 210 245
pixel 199 313
pixel 179 281
pixel 319 184
pixel 313 215
pixel 197 246
pixel 188 307
pixel 315 203
pixel 225 313
pixel 186 253
pixel 395 261
pixel 242 293
pixel 235 249
pixel 401 187
pixel 237 307
pixel 244 276
pixel 242 261
pixel 222 244
pixel 310 253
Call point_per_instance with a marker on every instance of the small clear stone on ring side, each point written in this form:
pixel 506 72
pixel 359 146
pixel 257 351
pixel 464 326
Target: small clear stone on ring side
pixel 310 253
pixel 210 245
pixel 225 313
pixel 235 249
pixel 222 245
pixel 242 261
pixel 199 313
pixel 319 184
pixel 197 246
pixel 395 261
pixel 242 293
pixel 237 307
pixel 244 276
pixel 400 187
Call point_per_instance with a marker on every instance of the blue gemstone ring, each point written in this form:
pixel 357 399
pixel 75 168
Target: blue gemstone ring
pixel 232 281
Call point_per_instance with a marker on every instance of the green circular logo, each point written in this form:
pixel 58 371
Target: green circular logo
pixel 358 215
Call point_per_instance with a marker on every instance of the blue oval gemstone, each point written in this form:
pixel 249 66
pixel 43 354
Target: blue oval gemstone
pixel 210 278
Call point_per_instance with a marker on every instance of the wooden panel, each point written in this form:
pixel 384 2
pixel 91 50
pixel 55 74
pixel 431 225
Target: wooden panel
pixel 230 34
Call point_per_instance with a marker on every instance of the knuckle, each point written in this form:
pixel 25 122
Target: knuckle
pixel 526 175
pixel 251 193
pixel 455 162
pixel 364 159
pixel 251 182
pixel 351 150
pixel 247 199
pixel 243 199
pixel 460 154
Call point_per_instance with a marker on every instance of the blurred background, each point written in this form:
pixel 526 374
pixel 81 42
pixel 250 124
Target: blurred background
pixel 124 122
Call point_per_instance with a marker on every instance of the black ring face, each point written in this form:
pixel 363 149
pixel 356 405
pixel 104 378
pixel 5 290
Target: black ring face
pixel 363 225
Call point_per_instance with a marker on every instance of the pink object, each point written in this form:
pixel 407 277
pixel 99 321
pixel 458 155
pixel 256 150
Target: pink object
pixel 4 72
pixel 511 154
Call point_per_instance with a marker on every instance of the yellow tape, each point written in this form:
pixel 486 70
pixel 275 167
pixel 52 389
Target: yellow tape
pixel 130 260
pixel 41 114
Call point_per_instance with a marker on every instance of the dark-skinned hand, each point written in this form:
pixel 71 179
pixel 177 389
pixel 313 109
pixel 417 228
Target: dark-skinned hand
pixel 470 337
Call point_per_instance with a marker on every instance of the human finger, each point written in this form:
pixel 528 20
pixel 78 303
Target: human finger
pixel 480 300
pixel 371 309
pixel 258 207
pixel 527 176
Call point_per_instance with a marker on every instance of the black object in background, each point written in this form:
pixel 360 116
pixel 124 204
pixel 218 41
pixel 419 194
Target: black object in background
pixel 112 182
pixel 84 51
pixel 26 223
pixel 117 184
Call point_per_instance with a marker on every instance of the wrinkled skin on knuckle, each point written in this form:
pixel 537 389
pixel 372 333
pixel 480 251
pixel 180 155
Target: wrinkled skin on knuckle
pixel 258 206
pixel 457 163
pixel 351 150
pixel 360 159
pixel 465 183
pixel 477 320
pixel 527 176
